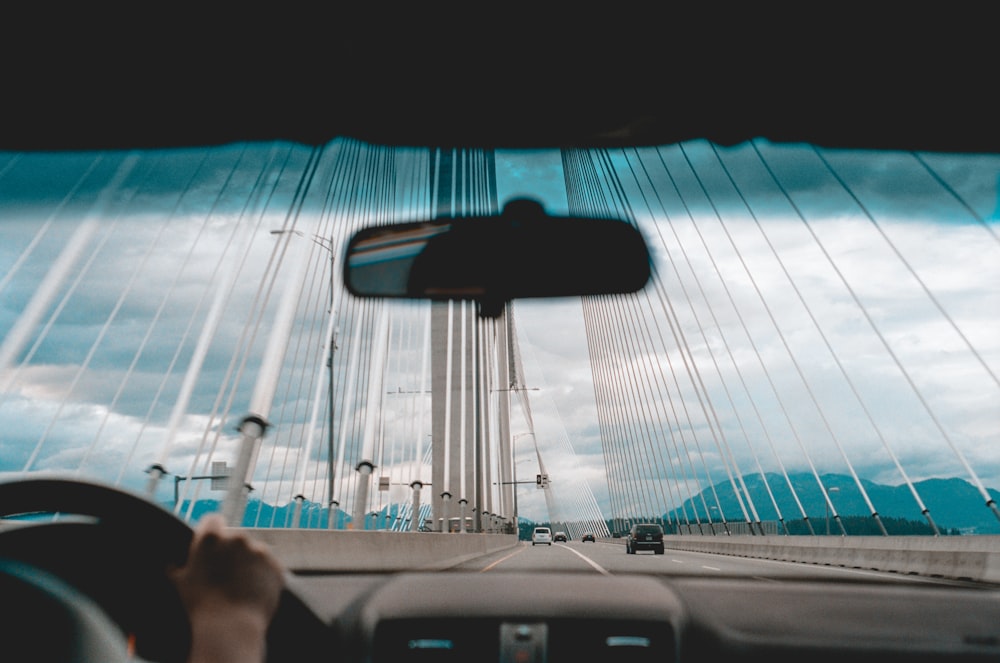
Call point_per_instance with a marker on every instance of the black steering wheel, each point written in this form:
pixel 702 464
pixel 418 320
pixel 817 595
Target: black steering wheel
pixel 75 628
pixel 112 548
pixel 108 547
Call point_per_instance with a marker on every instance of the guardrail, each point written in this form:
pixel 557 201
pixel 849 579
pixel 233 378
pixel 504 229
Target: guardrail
pixel 958 557
pixel 341 550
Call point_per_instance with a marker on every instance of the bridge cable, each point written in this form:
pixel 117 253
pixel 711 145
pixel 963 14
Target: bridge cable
pixel 570 163
pixel 909 267
pixel 43 229
pixel 85 362
pixel 161 308
pixel 627 427
pixel 829 346
pixel 722 334
pixel 178 274
pixel 263 389
pixel 760 360
pixel 791 355
pixel 599 368
pixel 17 336
pixel 615 394
pixel 126 292
pixel 958 198
pixel 781 336
pixel 707 407
pixel 310 383
pixel 603 340
pixel 715 363
pixel 344 217
pixel 260 198
pixel 626 389
pixel 691 372
pixel 55 278
pixel 990 503
pixel 726 345
pixel 611 414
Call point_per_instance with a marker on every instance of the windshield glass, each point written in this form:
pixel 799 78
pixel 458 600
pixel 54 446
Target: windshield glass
pixel 817 352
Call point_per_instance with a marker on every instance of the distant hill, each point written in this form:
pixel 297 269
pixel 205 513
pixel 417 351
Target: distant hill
pixel 263 514
pixel 953 503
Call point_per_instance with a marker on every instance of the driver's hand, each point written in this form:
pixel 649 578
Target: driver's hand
pixel 230 587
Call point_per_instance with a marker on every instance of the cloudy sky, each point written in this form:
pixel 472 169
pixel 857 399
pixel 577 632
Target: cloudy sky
pixel 882 233
pixel 738 248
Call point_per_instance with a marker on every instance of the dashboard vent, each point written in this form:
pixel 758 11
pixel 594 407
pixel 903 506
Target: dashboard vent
pixel 436 640
pixel 561 640
pixel 636 641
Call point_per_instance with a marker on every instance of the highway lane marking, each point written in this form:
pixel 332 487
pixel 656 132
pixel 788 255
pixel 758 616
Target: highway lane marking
pixel 520 549
pixel 710 568
pixel 598 567
pixel 679 561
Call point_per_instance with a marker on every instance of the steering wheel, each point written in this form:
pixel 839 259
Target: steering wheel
pixel 108 547
pixel 112 548
pixel 75 628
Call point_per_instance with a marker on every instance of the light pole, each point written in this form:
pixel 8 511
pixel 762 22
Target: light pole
pixel 326 245
pixel 513 464
pixel 826 503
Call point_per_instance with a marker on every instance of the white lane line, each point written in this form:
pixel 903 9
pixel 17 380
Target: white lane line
pixel 598 567
pixel 711 568
pixel 679 561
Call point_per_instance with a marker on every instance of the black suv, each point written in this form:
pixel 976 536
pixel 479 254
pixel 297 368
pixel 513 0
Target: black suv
pixel 646 536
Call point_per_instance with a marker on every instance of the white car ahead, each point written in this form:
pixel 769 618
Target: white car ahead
pixel 541 535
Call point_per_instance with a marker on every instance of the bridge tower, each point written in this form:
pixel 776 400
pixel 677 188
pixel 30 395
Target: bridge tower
pixel 463 182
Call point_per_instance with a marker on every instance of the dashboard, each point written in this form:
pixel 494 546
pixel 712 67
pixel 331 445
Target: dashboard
pixel 527 617
pixel 573 601
pixel 540 615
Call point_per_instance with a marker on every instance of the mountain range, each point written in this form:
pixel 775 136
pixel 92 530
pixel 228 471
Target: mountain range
pixel 952 503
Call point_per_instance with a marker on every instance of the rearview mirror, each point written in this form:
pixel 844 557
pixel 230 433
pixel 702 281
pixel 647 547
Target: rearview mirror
pixel 521 253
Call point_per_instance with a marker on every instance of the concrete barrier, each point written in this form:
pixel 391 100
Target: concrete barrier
pixel 959 557
pixel 337 550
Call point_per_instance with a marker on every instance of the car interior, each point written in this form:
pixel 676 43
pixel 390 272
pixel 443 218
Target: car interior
pixel 900 78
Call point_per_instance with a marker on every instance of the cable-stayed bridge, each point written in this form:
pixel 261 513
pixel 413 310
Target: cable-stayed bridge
pixel 172 320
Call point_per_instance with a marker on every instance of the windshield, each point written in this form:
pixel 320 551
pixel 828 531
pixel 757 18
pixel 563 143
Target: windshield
pixel 588 335
pixel 817 352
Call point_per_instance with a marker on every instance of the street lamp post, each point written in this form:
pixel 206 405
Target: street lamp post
pixel 327 246
pixel 513 450
pixel 330 502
